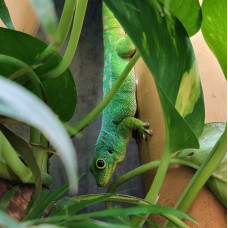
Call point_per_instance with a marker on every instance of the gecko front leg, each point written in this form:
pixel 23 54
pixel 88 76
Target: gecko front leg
pixel 129 124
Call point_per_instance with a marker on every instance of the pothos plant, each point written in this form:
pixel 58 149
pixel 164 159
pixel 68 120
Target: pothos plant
pixel 37 88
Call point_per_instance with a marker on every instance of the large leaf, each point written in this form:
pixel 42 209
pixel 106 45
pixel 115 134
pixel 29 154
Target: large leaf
pixel 18 103
pixel 214 29
pixel 60 92
pixel 168 53
pixel 218 183
pixel 4 15
pixel 187 11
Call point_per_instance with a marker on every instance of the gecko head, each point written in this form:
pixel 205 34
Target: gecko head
pixel 103 166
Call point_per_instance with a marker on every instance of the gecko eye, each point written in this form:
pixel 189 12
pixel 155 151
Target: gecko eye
pixel 100 164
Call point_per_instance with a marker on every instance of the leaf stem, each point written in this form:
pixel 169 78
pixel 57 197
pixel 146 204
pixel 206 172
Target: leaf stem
pixel 34 138
pixel 73 42
pixel 6 172
pixel 42 156
pixel 61 32
pixel 152 194
pixel 74 130
pixel 13 161
pixel 145 168
pixel 35 81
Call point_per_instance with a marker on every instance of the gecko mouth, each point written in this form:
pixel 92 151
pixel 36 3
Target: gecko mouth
pixel 103 181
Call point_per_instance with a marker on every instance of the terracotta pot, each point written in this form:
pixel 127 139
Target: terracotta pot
pixel 206 209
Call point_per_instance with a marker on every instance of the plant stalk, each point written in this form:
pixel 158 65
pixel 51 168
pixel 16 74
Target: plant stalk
pixel 73 42
pixel 42 156
pixel 152 194
pixel 61 32
pixel 6 172
pixel 33 78
pixel 13 161
pixel 145 168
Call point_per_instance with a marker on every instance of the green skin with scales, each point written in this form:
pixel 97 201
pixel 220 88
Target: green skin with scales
pixel 118 120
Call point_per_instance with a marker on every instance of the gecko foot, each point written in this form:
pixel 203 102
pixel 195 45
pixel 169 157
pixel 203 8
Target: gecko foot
pixel 145 131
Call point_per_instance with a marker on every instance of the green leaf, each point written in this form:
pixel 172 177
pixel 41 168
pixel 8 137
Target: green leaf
pixel 60 92
pixel 163 44
pixel 45 199
pixel 45 226
pixel 114 212
pixel 98 224
pixel 214 29
pixel 45 10
pixel 18 103
pixel 69 206
pixel 5 16
pixel 145 209
pixel 113 198
pixel 218 183
pixel 188 13
pixel 62 206
pixel 4 201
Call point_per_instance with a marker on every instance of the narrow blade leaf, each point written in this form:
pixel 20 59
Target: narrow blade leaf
pixel 24 106
pixel 45 199
pixel 4 201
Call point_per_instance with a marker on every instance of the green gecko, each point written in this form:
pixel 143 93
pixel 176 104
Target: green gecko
pixel 118 120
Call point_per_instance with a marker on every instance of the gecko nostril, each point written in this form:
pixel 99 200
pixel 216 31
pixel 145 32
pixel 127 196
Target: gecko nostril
pixel 110 151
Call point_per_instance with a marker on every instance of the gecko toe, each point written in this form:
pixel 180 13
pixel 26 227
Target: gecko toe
pixel 146 125
pixel 145 131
